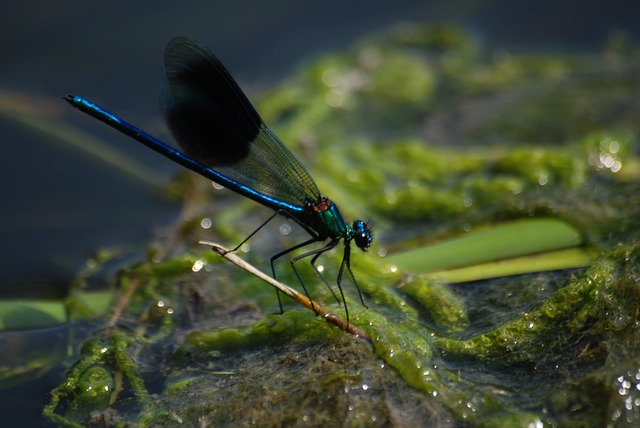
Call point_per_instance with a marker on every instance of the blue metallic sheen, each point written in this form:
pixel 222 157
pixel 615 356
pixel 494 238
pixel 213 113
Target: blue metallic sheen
pixel 153 143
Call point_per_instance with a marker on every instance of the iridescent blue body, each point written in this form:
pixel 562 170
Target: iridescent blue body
pixel 225 140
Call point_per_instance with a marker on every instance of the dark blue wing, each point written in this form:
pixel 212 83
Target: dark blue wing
pixel 214 122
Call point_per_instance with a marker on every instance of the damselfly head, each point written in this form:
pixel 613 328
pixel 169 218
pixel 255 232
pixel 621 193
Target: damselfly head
pixel 362 235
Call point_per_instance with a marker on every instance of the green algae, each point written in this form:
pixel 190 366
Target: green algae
pixel 445 308
pixel 433 136
pixel 269 330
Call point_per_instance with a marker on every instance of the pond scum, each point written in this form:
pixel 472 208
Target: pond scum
pixel 435 136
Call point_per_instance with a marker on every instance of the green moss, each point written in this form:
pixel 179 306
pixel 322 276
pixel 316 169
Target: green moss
pixel 434 137
pixel 443 306
pixel 273 329
pixel 94 388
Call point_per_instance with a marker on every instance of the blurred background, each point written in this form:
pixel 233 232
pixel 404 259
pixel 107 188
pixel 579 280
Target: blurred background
pixel 58 205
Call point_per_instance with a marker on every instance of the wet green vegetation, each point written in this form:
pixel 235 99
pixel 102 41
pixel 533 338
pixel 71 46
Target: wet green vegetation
pixel 434 136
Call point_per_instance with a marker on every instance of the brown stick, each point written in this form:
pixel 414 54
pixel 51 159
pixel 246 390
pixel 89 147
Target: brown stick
pixel 295 295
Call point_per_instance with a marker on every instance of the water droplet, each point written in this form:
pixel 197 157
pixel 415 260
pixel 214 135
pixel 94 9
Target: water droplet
pixel 199 264
pixel 285 229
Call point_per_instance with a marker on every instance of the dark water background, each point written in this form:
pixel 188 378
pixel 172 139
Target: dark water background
pixel 58 206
